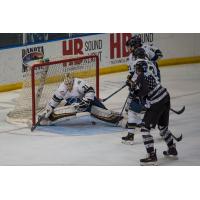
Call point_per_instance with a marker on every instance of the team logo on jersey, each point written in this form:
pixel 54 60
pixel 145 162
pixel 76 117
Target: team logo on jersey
pixel 31 55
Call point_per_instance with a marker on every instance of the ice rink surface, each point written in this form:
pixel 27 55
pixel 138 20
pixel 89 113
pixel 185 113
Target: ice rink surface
pixel 77 142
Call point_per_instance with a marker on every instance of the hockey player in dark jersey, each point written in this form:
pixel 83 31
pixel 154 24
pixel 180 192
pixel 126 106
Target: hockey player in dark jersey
pixel 152 52
pixel 157 104
pixel 135 105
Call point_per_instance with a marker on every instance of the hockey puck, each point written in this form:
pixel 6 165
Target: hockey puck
pixel 93 123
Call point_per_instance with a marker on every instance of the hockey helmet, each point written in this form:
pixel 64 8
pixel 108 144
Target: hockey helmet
pixel 141 66
pixel 128 42
pixel 69 81
pixel 135 41
pixel 140 53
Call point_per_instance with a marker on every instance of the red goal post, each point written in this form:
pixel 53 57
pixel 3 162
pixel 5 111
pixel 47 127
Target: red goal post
pixel 42 79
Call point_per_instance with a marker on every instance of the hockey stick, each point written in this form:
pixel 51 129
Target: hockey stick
pixel 178 139
pixel 40 118
pixel 122 110
pixel 178 112
pixel 53 117
pixel 105 99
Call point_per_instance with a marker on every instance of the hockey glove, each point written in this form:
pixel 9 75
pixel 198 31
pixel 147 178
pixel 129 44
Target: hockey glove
pixel 147 104
pixel 132 95
pixel 130 83
pixel 129 77
pixel 84 105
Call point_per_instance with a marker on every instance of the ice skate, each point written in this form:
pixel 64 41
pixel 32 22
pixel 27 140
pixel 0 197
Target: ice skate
pixel 171 152
pixel 151 159
pixel 129 139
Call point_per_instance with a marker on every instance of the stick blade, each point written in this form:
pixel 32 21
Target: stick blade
pixel 180 138
pixel 38 123
pixel 178 112
pixel 182 110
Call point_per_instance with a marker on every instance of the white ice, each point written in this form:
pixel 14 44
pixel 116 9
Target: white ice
pixel 78 142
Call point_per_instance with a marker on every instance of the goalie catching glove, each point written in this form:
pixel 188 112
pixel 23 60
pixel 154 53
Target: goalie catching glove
pixel 84 105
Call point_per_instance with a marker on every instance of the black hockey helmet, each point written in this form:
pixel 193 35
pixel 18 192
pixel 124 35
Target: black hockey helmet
pixel 141 66
pixel 139 53
pixel 128 42
pixel 135 41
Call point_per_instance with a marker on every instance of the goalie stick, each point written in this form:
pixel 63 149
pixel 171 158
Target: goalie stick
pixel 40 118
pixel 105 99
pixel 178 112
pixel 53 117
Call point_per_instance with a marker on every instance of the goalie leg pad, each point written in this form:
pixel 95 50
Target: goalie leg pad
pixel 63 112
pixel 59 113
pixel 105 115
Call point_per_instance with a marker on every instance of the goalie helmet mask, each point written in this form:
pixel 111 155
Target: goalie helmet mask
pixel 69 81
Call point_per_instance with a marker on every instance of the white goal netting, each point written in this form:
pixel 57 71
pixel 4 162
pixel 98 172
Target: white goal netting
pixel 42 79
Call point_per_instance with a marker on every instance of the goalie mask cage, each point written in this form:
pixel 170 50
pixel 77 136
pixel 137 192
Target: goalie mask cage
pixel 41 81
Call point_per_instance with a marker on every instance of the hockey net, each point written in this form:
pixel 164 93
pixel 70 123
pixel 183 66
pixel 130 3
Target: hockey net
pixel 42 79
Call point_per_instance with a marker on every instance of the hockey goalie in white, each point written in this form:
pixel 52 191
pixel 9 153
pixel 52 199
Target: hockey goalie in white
pixel 78 97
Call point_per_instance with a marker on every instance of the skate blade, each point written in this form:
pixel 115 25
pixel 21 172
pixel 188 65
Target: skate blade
pixel 171 157
pixel 128 142
pixel 155 163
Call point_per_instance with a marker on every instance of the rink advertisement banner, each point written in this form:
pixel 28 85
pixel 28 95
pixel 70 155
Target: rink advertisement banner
pixel 109 47
pixel 30 55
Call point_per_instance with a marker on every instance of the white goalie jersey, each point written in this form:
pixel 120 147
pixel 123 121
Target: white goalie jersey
pixel 79 90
